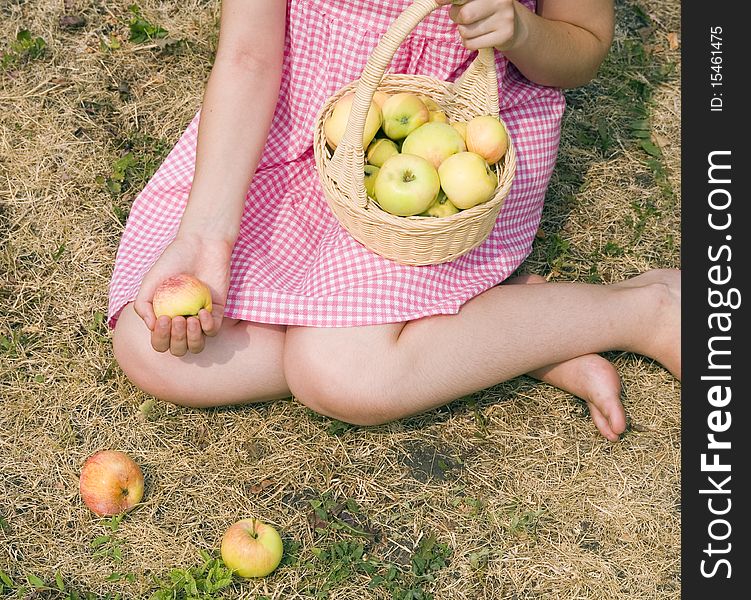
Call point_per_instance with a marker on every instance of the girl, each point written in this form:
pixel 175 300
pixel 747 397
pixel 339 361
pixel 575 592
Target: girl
pixel 302 309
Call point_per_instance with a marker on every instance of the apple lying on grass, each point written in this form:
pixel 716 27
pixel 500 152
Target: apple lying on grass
pixel 110 483
pixel 406 185
pixel 336 123
pixel 467 179
pixel 434 141
pixel 402 114
pixel 487 137
pixel 251 548
pixel 181 295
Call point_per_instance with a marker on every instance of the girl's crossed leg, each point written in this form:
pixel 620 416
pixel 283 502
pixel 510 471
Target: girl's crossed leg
pixel 375 374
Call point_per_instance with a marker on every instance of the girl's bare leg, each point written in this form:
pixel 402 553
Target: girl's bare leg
pixel 242 364
pixel 375 374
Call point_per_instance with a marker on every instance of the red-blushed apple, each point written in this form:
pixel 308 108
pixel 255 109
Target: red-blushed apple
pixel 406 185
pixel 402 114
pixel 461 127
pixel 110 483
pixel 251 548
pixel 336 123
pixel 434 141
pixel 467 179
pixel 487 137
pixel 442 207
pixel 370 174
pixel 381 149
pixel 181 295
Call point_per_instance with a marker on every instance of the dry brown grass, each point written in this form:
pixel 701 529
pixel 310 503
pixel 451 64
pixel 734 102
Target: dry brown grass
pixel 515 479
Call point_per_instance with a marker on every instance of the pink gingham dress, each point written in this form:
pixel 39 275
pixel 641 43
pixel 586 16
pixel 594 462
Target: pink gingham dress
pixel 293 263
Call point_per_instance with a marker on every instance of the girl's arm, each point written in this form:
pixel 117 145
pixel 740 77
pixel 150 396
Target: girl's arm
pixel 562 45
pixel 238 106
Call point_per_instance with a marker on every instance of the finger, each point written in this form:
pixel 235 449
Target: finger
pixel 160 334
pixel 144 309
pixel 210 322
pixel 196 339
pixel 178 345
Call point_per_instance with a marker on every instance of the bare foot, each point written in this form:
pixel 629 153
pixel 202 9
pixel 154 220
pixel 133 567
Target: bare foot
pixel 590 377
pixel 593 379
pixel 663 342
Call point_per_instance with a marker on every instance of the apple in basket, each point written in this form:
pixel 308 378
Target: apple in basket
pixel 442 207
pixel 467 179
pixel 336 123
pixel 461 127
pixel 434 141
pixel 251 548
pixel 381 149
pixel 435 112
pixel 181 295
pixel 487 137
pixel 370 172
pixel 402 114
pixel 406 185
pixel 379 98
pixel 110 482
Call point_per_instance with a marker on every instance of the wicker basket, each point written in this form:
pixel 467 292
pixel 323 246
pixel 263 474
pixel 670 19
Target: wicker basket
pixel 409 240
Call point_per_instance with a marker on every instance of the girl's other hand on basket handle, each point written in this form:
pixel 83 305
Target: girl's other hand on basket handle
pixel 487 23
pixel 209 261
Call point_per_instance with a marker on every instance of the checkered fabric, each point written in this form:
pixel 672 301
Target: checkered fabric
pixel 293 263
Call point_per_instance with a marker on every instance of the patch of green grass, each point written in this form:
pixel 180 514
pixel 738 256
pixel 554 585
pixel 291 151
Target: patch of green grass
pixel 142 30
pixel 204 582
pixel 24 48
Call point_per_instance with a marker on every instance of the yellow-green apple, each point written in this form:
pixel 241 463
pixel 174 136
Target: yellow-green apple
pixel 442 207
pixel 402 114
pixel 369 175
pixel 435 112
pixel 111 482
pixel 406 185
pixel 251 548
pixel 487 137
pixel 461 127
pixel 379 150
pixel 467 179
pixel 336 123
pixel 181 295
pixel 379 98
pixel 435 142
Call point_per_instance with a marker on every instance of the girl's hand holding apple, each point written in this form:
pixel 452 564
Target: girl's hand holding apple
pixel 206 260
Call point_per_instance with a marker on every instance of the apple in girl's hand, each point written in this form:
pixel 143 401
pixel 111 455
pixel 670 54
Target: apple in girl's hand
pixel 381 149
pixel 467 179
pixel 251 548
pixel 110 483
pixel 402 114
pixel 442 207
pixel 369 175
pixel 406 185
pixel 435 142
pixel 461 127
pixel 487 137
pixel 336 123
pixel 181 295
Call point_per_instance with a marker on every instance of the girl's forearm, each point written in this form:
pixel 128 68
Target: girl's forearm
pixel 556 53
pixel 236 114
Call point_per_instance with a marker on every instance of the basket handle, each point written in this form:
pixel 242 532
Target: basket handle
pixel 478 85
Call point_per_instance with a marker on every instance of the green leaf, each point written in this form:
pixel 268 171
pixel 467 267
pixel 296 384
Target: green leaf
pixel 650 148
pixel 59 581
pixel 35 581
pixel 5 578
pixel 100 540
